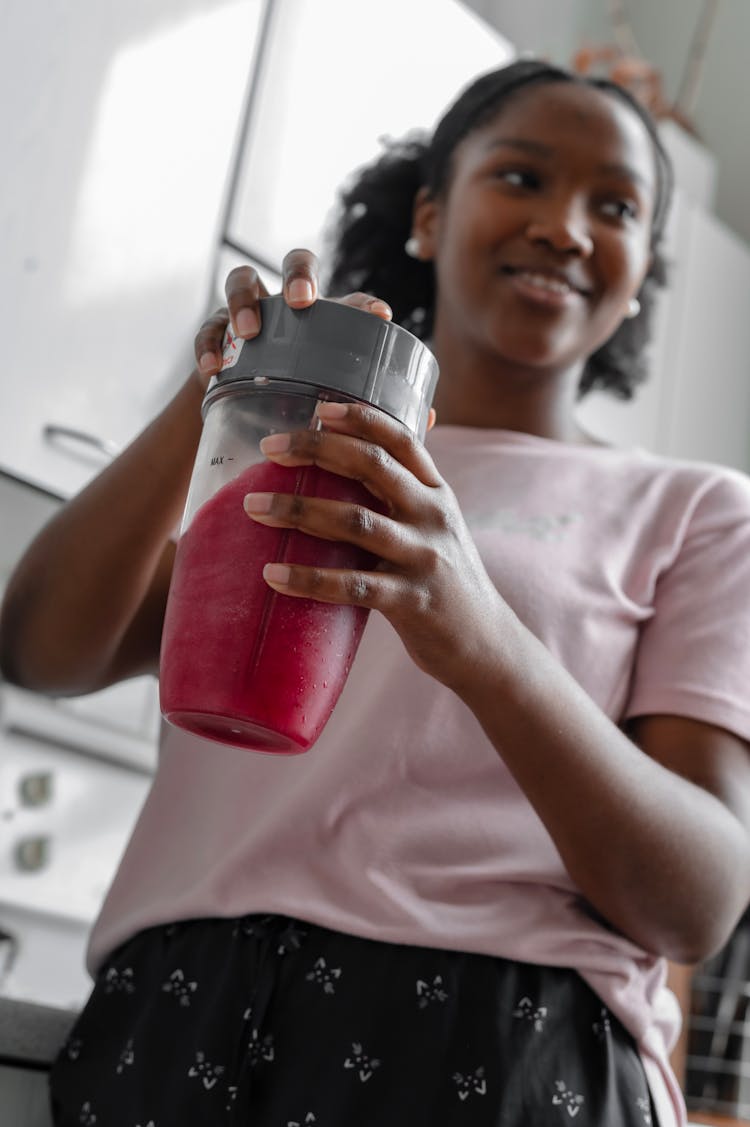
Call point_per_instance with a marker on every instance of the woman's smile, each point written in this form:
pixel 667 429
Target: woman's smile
pixel 546 287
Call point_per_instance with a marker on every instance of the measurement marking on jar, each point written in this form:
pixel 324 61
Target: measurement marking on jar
pixel 220 459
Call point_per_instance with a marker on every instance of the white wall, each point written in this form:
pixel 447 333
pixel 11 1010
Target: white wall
pixel 548 29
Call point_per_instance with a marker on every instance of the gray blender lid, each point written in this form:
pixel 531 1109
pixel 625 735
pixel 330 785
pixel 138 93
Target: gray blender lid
pixel 336 349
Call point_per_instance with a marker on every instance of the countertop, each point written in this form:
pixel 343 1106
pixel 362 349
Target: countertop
pixel 32 1034
pixel 704 1119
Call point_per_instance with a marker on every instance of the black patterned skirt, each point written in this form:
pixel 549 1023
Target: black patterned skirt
pixel 269 1022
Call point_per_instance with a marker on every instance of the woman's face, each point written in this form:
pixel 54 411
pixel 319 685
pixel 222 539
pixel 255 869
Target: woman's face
pixel 543 233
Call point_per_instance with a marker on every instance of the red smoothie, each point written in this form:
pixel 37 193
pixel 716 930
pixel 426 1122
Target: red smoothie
pixel 240 663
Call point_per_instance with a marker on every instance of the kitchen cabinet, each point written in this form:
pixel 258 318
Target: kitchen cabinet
pixel 43 958
pixel 118 143
pixel 73 775
pixel 30 1037
pixel 23 1097
pixel 120 723
pixel 65 820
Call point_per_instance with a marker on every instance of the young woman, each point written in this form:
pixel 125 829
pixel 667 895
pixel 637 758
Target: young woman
pixel 458 906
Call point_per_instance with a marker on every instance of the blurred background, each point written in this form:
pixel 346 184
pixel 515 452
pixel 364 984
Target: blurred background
pixel 147 149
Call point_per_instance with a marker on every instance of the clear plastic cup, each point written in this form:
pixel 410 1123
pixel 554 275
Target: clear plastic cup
pixel 241 663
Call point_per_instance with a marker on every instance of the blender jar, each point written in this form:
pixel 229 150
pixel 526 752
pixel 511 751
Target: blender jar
pixel 241 663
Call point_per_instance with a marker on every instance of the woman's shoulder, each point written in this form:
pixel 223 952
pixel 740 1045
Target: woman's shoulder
pixel 706 482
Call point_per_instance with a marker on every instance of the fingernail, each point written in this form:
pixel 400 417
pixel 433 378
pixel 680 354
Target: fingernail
pixel 381 308
pixel 275 443
pixel 277 573
pixel 247 323
pixel 208 362
pixel 299 289
pixel 258 502
pixel 331 410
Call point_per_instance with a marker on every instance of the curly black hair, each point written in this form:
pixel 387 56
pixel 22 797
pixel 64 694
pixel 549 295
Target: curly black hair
pixel 373 218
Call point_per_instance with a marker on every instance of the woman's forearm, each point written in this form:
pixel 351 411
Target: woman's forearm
pixel 658 856
pixel 74 600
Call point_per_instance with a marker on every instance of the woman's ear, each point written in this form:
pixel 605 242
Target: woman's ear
pixel 425 224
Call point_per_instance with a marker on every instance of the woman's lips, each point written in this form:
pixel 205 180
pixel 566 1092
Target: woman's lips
pixel 548 290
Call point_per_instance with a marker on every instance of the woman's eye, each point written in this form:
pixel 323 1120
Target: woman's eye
pixel 517 178
pixel 620 209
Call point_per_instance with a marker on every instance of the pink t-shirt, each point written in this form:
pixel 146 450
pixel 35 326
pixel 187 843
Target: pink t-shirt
pixel 403 823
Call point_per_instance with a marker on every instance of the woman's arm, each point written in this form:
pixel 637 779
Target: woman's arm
pixel 85 605
pixel 654 830
pixel 656 836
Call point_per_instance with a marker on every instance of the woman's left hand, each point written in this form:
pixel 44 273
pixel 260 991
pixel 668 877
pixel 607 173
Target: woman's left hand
pixel 430 582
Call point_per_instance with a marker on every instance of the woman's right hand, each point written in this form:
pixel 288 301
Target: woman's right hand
pixel 244 289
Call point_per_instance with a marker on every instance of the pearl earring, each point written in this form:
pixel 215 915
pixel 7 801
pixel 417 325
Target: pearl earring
pixel 411 246
pixel 634 308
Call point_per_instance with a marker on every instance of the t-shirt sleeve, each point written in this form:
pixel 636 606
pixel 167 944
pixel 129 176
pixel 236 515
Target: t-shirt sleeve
pixel 693 654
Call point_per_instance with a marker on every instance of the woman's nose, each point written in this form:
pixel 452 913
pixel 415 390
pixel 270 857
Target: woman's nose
pixel 563 226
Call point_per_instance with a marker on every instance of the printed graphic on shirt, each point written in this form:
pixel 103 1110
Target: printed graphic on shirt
pixel 207 1073
pixel 527 1011
pixel 181 989
pixel 359 1060
pixel 87 1116
pixel 603 1026
pixel 126 1058
pixel 570 1100
pixel 259 1048
pixel 121 981
pixel 472 1084
pixel 73 1047
pixel 324 975
pixel 550 527
pixel 427 993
